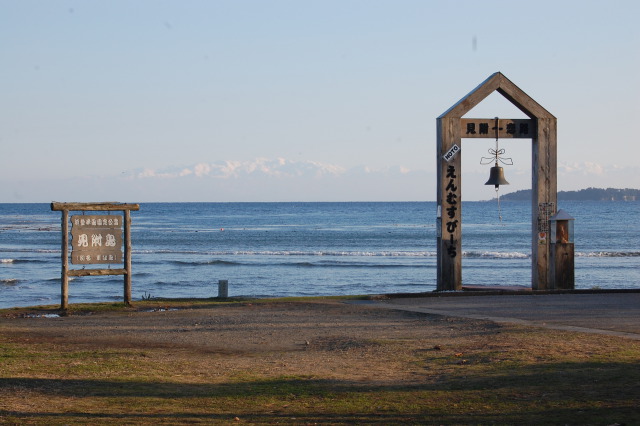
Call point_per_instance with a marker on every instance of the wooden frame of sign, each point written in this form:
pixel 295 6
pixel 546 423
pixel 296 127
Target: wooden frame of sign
pixel 101 246
pixel 541 128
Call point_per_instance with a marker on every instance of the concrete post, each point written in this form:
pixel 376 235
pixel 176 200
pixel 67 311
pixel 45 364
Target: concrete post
pixel 223 288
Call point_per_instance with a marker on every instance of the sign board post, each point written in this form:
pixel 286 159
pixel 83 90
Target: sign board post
pixel 96 239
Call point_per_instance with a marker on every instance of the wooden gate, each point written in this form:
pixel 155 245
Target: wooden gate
pixel 451 128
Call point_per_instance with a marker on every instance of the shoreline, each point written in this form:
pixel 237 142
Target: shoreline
pixel 467 291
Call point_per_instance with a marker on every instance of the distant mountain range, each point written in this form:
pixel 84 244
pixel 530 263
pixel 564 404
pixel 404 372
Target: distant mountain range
pixel 589 194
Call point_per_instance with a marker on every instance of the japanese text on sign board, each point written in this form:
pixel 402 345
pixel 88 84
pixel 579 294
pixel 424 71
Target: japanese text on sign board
pixel 545 211
pixel 97 221
pixel 96 239
pixel 506 128
pixel 451 209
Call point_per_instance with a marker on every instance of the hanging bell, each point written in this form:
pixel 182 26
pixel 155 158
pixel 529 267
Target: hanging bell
pixel 496 177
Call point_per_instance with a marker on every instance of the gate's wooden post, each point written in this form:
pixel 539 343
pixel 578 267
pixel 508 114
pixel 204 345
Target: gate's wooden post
pixel 544 196
pixel 449 261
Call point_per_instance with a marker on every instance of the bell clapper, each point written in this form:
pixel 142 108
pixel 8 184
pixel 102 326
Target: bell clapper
pixel 499 208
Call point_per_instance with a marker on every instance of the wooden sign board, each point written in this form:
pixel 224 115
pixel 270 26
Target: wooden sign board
pixel 506 129
pixel 96 239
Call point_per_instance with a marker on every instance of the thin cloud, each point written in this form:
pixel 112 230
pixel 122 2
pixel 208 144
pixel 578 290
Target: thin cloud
pixel 232 169
pixel 585 168
pixel 580 175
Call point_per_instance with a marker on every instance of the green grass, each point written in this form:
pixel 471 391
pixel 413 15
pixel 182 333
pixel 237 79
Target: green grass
pixel 309 400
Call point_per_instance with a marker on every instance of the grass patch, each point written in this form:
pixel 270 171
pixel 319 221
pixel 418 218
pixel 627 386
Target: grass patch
pixel 158 303
pixel 370 368
pixel 302 400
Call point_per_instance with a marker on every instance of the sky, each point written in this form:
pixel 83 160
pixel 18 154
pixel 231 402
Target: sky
pixel 292 100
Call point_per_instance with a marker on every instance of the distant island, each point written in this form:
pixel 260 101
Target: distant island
pixel 589 194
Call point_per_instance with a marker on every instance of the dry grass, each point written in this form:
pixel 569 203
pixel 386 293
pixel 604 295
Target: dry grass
pixel 308 362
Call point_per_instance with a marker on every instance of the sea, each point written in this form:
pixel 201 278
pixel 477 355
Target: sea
pixel 309 249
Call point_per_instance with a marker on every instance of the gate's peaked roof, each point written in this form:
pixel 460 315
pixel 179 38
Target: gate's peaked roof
pixel 497 82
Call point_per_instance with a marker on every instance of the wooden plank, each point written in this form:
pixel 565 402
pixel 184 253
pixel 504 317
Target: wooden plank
pixel 95 272
pixel 449 222
pixel 563 270
pixel 473 98
pixel 544 191
pixel 497 82
pixel 104 206
pixel 508 128
pixel 521 100
pixel 440 151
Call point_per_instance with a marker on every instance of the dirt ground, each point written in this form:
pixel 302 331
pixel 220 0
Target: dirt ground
pixel 306 362
pixel 328 339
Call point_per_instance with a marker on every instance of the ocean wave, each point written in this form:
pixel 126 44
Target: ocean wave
pixel 9 281
pixel 16 261
pixel 495 255
pixel 609 254
pixel 30 227
pixel 301 264
pixel 351 265
pixel 301 253
pixel 28 250
pixel 57 280
pixel 313 257
pixel 203 262
pixel 142 274
pixel 182 284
